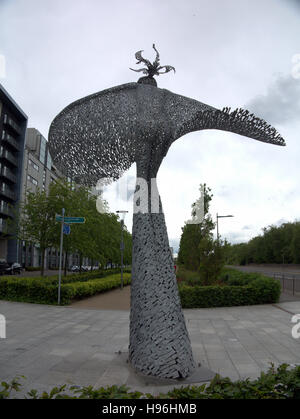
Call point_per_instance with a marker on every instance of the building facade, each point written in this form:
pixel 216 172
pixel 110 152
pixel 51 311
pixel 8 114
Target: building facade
pixel 13 123
pixel 38 173
pixel 25 165
pixel 38 170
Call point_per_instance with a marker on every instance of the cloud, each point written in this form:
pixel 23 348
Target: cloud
pixel 281 103
pixel 235 237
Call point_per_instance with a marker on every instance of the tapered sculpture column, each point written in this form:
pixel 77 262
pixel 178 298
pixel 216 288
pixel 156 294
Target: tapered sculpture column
pixel 159 342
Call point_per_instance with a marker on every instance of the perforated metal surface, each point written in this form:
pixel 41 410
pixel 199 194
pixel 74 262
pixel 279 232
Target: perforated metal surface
pixel 103 134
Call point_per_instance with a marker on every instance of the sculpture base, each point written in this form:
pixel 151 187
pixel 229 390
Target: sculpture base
pixel 200 375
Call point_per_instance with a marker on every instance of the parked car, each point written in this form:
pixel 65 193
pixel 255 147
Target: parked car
pixel 74 268
pixel 14 268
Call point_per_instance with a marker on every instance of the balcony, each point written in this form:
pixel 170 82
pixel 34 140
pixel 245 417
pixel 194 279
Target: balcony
pixel 11 123
pixel 5 209
pixel 8 174
pixel 5 229
pixel 8 193
pixel 2 225
pixel 5 154
pixel 11 141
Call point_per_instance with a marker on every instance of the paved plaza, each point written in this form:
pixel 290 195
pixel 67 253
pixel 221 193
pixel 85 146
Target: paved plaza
pixel 65 345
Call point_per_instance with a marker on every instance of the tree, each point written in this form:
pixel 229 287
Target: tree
pixel 98 238
pixel 277 244
pixel 36 222
pixel 198 251
pixel 295 244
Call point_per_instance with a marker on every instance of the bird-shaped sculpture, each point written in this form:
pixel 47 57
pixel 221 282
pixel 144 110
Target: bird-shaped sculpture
pixel 101 136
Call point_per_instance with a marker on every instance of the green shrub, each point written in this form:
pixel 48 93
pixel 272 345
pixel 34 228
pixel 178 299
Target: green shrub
pixel 237 289
pixel 233 288
pixel 44 290
pixel 30 290
pixel 234 277
pixel 280 383
pixel 84 276
pixel 258 290
pixel 188 277
pixel 79 290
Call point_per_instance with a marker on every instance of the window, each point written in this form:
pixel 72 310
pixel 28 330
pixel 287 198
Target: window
pixel 35 166
pixel 32 180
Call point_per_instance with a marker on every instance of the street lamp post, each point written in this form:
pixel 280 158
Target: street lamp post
pixel 122 242
pixel 221 216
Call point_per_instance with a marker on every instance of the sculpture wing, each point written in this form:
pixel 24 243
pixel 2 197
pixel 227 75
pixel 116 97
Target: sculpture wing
pixel 93 137
pixel 102 134
pixel 239 121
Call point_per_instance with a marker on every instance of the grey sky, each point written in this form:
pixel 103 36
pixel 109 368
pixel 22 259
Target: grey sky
pixel 234 53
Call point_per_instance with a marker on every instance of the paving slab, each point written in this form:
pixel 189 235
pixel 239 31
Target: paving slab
pixel 53 345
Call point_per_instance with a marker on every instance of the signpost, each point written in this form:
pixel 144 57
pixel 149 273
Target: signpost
pixel 70 220
pixel 65 229
pixel 122 243
pixel 60 253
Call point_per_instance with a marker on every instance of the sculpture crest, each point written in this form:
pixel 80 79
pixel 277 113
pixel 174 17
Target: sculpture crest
pixel 153 69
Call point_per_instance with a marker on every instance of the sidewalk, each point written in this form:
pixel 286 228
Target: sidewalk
pixel 117 299
pixel 64 345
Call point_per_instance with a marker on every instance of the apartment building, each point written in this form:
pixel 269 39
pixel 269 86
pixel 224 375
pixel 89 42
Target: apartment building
pixel 38 173
pixel 13 123
pixel 38 169
pixel 25 165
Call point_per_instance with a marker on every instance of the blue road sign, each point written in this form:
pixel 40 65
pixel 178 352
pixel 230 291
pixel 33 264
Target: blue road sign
pixel 66 229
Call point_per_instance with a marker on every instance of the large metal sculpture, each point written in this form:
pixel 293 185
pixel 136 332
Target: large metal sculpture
pixel 101 136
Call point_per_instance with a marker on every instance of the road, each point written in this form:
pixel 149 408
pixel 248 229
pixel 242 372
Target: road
pixel 273 269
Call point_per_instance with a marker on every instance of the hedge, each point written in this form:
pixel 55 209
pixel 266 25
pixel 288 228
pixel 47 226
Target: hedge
pixel 79 290
pixel 43 291
pixel 249 289
pixel 75 277
pixel 85 276
pixel 258 290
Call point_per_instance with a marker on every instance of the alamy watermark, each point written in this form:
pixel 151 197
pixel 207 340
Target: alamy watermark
pixel 296 328
pixel 2 327
pixel 296 66
pixel 145 197
pixel 2 67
